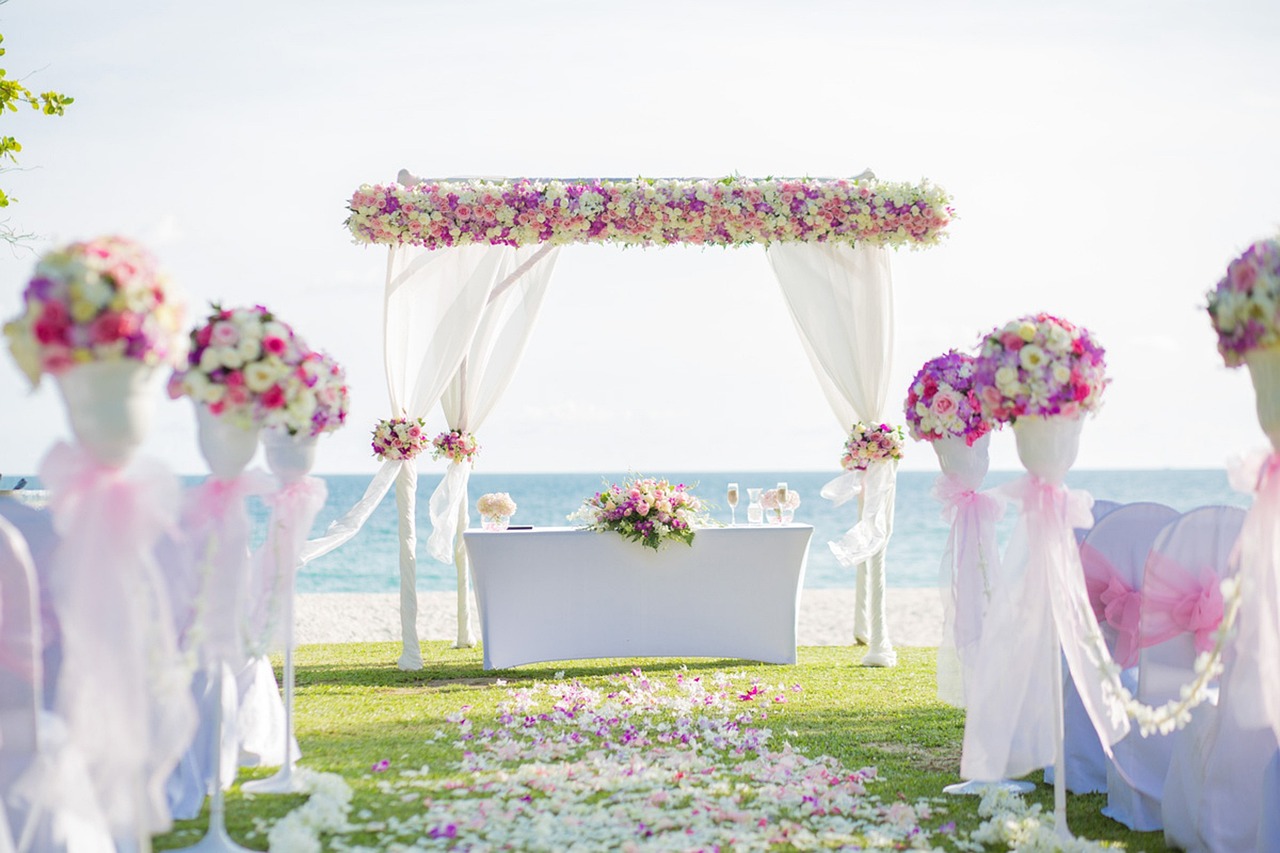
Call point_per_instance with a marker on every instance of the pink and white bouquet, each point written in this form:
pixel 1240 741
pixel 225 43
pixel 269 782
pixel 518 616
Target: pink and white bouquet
pixel 242 365
pixel 769 502
pixel 644 510
pixel 456 446
pixel 400 439
pixel 100 300
pixel 869 443
pixel 942 401
pixel 1039 365
pixel 496 505
pixel 321 389
pixel 729 211
pixel 1245 306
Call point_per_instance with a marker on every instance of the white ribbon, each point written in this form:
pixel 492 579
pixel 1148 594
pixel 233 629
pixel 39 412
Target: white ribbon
pixel 871 534
pixel 447 501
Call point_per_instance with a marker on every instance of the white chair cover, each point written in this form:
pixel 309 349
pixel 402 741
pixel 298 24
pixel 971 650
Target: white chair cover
pixel 841 301
pixel 1269 826
pixel 481 379
pixel 1113 553
pixel 190 782
pixel 48 803
pixel 1189 555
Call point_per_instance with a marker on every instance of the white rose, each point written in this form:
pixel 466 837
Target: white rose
pixel 250 349
pixel 259 376
pixel 1005 377
pixel 230 358
pixel 1061 373
pixel 210 360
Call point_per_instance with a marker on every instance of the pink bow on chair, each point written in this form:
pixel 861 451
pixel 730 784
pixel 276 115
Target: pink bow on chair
pixel 1177 601
pixel 1114 603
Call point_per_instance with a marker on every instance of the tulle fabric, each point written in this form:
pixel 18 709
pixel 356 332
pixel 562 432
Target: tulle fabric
pixel 294 508
pixel 124 687
pixel 870 535
pixel 970 560
pixel 1039 608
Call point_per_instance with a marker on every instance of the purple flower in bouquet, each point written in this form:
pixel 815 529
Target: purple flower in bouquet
pixel 1245 306
pixel 400 439
pixel 644 509
pixel 869 443
pixel 942 401
pixel 1039 365
pixel 101 300
pixel 456 446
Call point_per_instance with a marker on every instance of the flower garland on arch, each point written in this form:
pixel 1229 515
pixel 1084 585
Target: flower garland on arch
pixel 456 446
pixel 731 211
pixel 399 439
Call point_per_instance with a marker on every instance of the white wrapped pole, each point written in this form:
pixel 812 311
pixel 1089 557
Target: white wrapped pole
pixel 466 639
pixel 406 505
pixel 862 593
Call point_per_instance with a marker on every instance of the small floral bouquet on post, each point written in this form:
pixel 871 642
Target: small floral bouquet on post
pixel 323 387
pixel 496 508
pixel 241 366
pixel 644 510
pixel 1245 306
pixel 942 401
pixel 399 439
pixel 456 446
pixel 779 510
pixel 869 443
pixel 101 300
pixel 1039 365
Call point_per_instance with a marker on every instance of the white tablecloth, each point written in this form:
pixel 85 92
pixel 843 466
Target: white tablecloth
pixel 563 594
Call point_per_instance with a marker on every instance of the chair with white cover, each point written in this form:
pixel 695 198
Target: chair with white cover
pixel 1181 609
pixel 48 801
pixel 1113 553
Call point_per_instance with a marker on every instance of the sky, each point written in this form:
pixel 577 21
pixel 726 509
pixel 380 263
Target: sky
pixel 1106 160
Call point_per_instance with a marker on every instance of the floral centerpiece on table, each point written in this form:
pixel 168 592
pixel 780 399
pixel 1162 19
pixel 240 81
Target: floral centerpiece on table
pixel 496 505
pixel 241 365
pixel 1245 306
pixel 770 503
pixel 1039 365
pixel 456 446
pixel 942 401
pixel 400 439
pixel 99 300
pixel 644 510
pixel 869 443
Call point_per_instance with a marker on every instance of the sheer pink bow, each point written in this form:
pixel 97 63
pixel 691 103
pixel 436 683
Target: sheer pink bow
pixel 1114 603
pixel 294 508
pixel 1179 600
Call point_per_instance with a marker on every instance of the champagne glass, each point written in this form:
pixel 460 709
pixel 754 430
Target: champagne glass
pixel 782 494
pixel 732 498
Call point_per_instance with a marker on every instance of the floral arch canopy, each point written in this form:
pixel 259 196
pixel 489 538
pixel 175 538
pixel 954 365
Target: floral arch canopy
pixel 469 262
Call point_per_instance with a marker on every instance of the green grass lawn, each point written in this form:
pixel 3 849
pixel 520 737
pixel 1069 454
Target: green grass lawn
pixel 354 708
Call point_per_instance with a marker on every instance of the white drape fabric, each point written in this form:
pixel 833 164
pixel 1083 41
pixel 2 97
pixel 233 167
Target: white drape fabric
pixel 1014 719
pixel 483 376
pixel 124 687
pixel 435 301
pixel 841 301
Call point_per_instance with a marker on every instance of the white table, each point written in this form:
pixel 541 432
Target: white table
pixel 563 594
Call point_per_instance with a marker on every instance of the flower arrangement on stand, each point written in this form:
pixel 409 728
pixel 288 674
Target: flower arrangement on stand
pixel 645 510
pixel 496 508
pixel 869 443
pixel 400 439
pixel 456 446
pixel 101 300
pixel 779 511
pixel 240 367
pixel 1039 365
pixel 942 401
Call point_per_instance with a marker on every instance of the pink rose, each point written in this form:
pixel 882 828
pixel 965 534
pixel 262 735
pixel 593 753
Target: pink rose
pixel 1243 274
pixel 224 335
pixel 53 324
pixel 943 404
pixel 1012 341
pixel 112 326
pixel 274 345
pixel 273 397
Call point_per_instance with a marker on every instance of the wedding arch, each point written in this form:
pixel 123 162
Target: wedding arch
pixel 470 260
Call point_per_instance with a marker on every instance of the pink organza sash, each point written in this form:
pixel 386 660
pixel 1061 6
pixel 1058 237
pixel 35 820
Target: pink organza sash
pixel 1114 603
pixel 217 525
pixel 1250 681
pixel 1039 609
pixel 124 688
pixel 293 510
pixel 970 560
pixel 1177 600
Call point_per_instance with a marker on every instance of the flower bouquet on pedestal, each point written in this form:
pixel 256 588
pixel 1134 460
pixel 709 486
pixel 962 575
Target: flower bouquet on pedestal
pixel 645 510
pixel 496 509
pixel 100 317
pixel 942 408
pixel 1041 374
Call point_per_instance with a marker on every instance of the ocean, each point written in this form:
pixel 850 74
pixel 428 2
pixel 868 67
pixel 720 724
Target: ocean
pixel 370 561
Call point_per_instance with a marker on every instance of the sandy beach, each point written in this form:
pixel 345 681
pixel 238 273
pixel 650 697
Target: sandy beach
pixel 826 617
